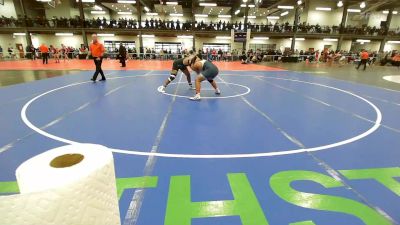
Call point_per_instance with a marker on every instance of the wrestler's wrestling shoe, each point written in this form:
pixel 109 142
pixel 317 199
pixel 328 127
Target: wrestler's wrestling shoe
pixel 196 98
pixel 161 89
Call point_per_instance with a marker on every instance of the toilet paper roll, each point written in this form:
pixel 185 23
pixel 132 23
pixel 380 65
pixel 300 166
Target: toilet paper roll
pixel 70 185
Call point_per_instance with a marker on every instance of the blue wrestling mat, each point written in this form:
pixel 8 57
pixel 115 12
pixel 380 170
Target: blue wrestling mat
pixel 275 148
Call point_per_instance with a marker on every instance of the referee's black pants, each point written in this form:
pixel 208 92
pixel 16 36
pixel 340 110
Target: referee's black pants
pixel 98 69
pixel 45 57
pixel 363 62
pixel 122 60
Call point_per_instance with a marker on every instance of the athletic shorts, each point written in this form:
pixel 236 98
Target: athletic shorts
pixel 210 71
pixel 178 65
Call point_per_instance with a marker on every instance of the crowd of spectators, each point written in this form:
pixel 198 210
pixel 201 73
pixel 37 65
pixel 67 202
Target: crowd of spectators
pixel 158 24
pixel 327 56
pixel 212 54
pixel 9 52
pixel 257 55
pixel 31 52
pixel 145 54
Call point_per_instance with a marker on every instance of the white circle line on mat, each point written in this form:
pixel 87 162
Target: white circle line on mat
pixel 248 90
pixel 215 156
pixel 392 78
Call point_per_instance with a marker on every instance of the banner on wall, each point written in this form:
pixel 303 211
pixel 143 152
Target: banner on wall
pixel 240 36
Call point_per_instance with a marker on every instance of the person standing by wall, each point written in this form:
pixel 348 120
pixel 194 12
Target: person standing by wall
pixel 122 55
pixel 220 53
pixel 28 52
pixel 373 57
pixel 97 51
pixel 64 52
pixel 33 52
pixel 45 53
pixel 56 53
pixel 11 52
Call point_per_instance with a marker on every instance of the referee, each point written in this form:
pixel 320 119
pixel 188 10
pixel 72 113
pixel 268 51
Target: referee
pixel 97 51
pixel 45 53
pixel 364 59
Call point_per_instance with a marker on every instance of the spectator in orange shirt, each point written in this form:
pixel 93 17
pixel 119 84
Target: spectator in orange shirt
pixel 364 59
pixel 97 51
pixel 45 53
